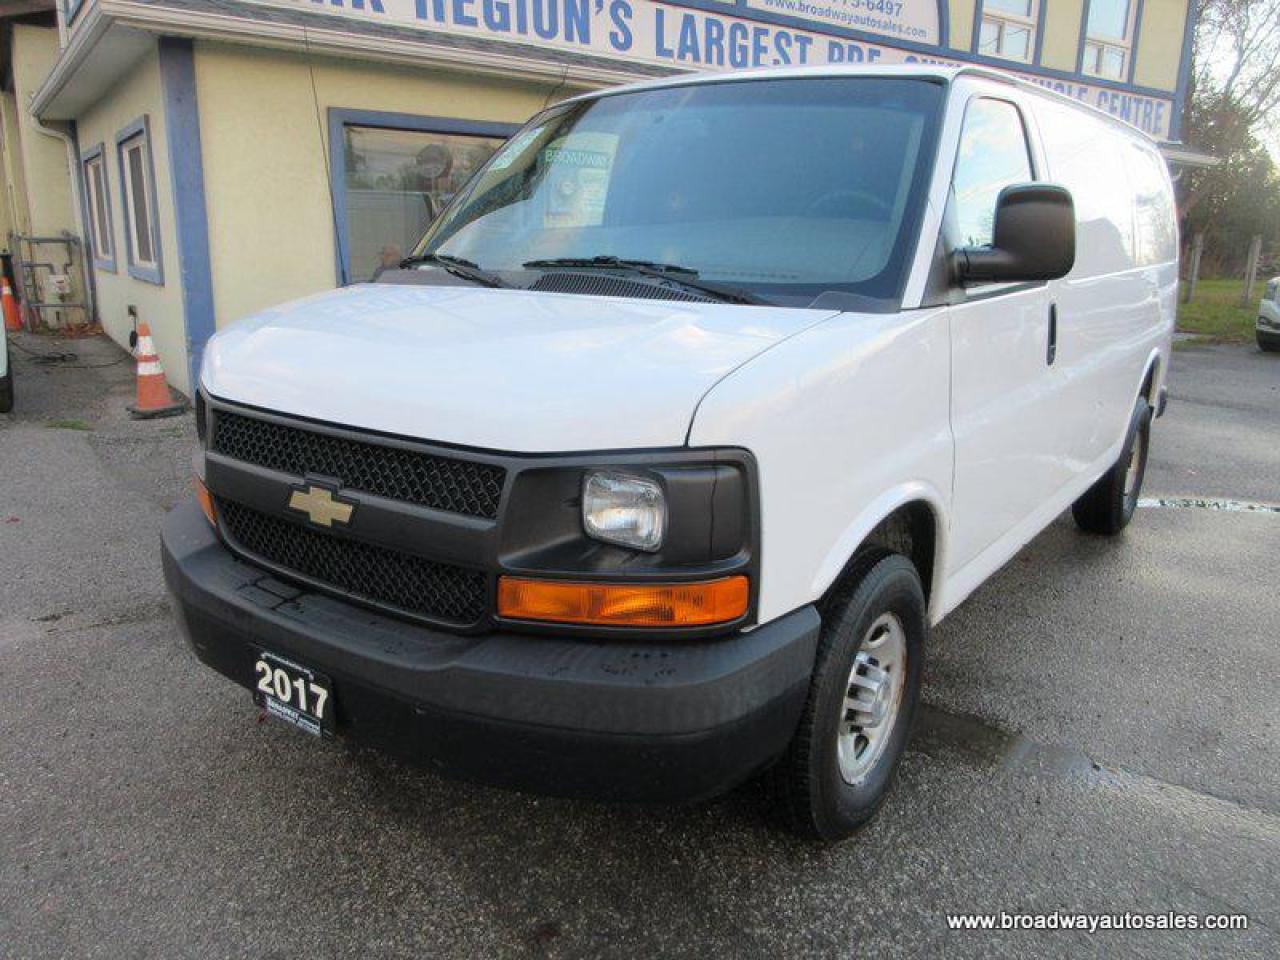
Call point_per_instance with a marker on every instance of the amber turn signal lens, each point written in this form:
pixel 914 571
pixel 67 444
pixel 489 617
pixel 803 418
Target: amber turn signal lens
pixel 624 605
pixel 206 501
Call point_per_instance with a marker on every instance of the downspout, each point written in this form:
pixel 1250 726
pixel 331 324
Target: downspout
pixel 77 203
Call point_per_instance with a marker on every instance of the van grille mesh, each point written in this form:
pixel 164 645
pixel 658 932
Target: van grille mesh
pixel 441 483
pixel 407 583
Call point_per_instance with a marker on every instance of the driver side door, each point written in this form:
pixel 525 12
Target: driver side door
pixel 1004 386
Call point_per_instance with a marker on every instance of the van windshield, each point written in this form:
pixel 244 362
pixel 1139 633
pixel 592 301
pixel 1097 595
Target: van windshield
pixel 783 188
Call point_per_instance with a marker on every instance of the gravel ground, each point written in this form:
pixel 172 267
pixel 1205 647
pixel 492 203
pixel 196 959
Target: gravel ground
pixel 1101 735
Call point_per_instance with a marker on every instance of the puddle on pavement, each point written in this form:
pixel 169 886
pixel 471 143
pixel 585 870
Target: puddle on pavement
pixel 940 732
pixel 1208 503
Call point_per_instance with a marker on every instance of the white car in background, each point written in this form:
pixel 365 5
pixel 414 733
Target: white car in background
pixel 1268 325
pixel 6 373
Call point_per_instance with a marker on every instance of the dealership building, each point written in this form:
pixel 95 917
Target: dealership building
pixel 189 162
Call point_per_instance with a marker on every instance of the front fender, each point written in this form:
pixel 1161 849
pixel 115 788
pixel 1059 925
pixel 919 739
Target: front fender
pixel 856 533
pixel 846 420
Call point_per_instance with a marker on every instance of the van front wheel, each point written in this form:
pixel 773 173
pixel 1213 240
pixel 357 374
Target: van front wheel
pixel 862 700
pixel 1107 506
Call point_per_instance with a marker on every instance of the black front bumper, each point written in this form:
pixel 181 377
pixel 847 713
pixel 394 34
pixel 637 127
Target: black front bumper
pixel 644 719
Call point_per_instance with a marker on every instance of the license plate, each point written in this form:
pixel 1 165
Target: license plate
pixel 294 693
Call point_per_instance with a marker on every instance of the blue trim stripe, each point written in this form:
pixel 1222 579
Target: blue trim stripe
pixel 141 129
pixel 186 164
pixel 1084 33
pixel 1133 41
pixel 1184 70
pixel 1040 9
pixel 340 118
pixel 98 152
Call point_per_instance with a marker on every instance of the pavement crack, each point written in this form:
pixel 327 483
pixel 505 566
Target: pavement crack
pixel 1209 503
pixel 141 613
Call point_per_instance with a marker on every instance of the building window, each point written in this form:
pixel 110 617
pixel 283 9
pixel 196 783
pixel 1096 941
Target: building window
pixel 397 174
pixel 993 155
pixel 138 192
pixel 1108 39
pixel 97 200
pixel 1008 29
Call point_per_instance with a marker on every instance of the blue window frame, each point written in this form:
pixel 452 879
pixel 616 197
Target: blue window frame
pixel 71 8
pixel 97 207
pixel 138 198
pixel 392 172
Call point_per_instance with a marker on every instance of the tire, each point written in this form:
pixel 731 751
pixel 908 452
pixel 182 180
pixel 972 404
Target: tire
pixel 1107 507
pixel 810 785
pixel 6 388
pixel 1268 342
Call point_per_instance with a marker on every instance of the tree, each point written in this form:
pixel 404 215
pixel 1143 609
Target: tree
pixel 1234 93
pixel 1237 56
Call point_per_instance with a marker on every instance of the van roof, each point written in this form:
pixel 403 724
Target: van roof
pixel 941 71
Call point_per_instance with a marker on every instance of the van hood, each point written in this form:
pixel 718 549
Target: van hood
pixel 508 370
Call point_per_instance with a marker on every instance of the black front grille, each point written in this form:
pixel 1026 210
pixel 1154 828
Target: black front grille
pixel 441 483
pixel 410 584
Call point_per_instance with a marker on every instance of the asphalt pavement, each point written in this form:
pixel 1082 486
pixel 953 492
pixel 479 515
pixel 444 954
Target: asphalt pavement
pixel 1101 735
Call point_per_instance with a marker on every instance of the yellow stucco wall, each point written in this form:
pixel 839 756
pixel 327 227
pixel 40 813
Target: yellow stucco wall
pixel 1160 44
pixel 1061 34
pixel 45 159
pixel 271 228
pixel 960 15
pixel 138 94
pixel 15 182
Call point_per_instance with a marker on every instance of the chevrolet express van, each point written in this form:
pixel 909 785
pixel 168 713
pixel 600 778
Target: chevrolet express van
pixel 649 471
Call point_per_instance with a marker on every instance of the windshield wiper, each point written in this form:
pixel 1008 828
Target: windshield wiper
pixel 457 266
pixel 673 273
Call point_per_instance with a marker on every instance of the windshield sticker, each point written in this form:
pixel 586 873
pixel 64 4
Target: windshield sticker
pixel 577 170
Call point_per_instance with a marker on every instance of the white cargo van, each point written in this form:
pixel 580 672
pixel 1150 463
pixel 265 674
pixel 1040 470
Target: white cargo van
pixel 651 469
pixel 6 372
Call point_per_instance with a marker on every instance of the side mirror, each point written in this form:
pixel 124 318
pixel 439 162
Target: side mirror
pixel 1034 238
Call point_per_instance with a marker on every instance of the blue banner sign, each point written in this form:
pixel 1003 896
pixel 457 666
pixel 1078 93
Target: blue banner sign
pixel 701 38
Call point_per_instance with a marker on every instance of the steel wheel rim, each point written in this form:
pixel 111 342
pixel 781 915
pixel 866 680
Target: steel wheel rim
pixel 1137 457
pixel 872 699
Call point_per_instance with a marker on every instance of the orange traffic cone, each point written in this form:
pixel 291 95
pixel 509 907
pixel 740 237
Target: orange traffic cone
pixel 154 398
pixel 12 320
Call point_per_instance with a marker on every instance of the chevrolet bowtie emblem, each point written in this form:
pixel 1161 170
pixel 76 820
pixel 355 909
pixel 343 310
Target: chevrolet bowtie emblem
pixel 321 506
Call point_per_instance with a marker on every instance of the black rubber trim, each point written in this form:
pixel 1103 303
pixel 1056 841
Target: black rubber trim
pixel 652 718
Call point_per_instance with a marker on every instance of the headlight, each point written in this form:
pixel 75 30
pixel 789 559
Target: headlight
pixel 624 509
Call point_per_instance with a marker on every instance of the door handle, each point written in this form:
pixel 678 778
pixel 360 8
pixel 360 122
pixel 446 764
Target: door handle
pixel 1053 335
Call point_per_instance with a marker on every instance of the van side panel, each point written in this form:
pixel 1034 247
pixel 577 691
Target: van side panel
pixel 1156 241
pixel 847 420
pixel 1101 304
pixel 1116 309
